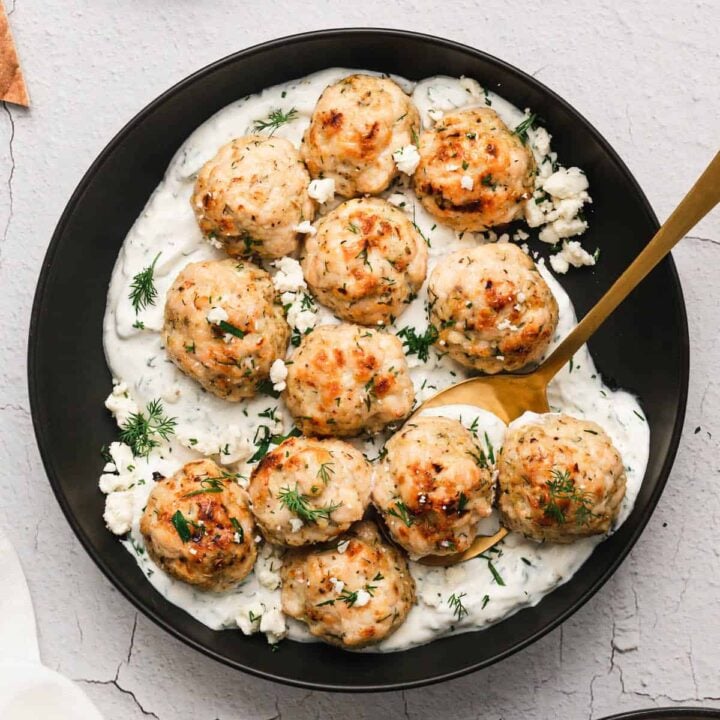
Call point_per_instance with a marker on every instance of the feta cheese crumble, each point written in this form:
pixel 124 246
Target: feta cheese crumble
pixel 566 183
pixel 322 190
pixel 120 404
pixel 295 523
pixel 273 625
pixel 572 253
pixel 466 182
pixel 407 159
pixel 343 546
pixel 301 320
pixel 118 513
pixel 216 315
pixel 305 227
pixel 278 375
pixel 289 275
pixel 363 598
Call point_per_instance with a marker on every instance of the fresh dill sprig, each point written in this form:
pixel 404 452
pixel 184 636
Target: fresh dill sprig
pixel 456 603
pixel 561 492
pixel 402 513
pixel 478 455
pixel 142 429
pixel 142 288
pixel 207 485
pixel 325 471
pixel 528 123
pixel 418 344
pixel 350 597
pixel 298 504
pixel 274 120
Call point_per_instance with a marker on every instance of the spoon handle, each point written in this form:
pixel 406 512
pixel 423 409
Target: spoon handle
pixel 699 201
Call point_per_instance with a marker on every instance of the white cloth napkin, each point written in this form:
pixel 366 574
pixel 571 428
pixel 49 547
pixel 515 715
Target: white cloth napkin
pixel 27 689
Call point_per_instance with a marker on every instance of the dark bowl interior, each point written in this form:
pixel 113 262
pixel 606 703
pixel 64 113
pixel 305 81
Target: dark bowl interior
pixel 69 379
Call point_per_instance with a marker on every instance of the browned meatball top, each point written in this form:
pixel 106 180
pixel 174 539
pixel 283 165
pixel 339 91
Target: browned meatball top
pixel 198 527
pixel 560 478
pixel 474 173
pixel 433 486
pixel 366 262
pixel 492 308
pixel 224 326
pixel 357 124
pixel 353 593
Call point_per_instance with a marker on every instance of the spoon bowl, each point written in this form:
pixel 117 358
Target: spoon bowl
pixel 506 396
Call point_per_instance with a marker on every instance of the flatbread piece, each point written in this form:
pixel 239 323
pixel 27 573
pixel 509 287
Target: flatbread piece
pixel 12 83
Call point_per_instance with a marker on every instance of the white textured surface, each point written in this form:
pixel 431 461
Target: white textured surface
pixel 645 73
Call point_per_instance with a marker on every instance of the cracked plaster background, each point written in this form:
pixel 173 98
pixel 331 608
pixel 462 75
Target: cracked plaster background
pixel 646 74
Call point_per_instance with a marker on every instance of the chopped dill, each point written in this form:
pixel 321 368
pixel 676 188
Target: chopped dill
pixel 142 288
pixel 142 429
pixel 274 120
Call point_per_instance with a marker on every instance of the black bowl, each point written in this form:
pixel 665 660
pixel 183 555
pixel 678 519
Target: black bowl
pixel 669 713
pixel 643 347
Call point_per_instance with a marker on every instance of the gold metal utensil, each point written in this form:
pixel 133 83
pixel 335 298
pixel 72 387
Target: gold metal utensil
pixel 509 396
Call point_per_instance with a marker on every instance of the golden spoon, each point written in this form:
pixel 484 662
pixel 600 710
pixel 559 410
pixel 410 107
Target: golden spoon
pixel 509 396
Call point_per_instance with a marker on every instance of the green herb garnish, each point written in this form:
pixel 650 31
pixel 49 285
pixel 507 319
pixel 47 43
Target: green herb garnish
pixel 141 430
pixel 402 513
pixel 456 603
pixel 298 504
pixel 562 489
pixel 142 289
pixel 274 120
pixel 325 471
pixel 418 344
pixel 239 532
pixel 264 438
pixel 227 327
pixel 522 128
pixel 182 526
pixel 207 485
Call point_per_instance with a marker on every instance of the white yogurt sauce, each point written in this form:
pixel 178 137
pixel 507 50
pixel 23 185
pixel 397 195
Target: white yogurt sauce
pixel 519 572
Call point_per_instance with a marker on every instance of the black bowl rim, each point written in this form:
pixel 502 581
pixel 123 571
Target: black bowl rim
pixel 339 33
pixel 667 713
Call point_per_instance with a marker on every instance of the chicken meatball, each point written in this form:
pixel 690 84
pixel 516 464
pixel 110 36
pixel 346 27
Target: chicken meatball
pixel 251 196
pixel 491 307
pixel 356 126
pixel 352 594
pixel 198 527
pixel 366 262
pixel 345 379
pixel 309 490
pixel 433 486
pixel 560 478
pixel 224 326
pixel 474 173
